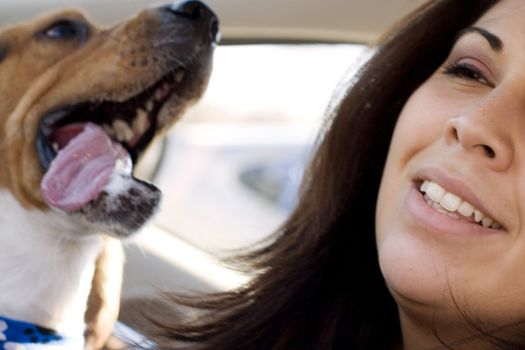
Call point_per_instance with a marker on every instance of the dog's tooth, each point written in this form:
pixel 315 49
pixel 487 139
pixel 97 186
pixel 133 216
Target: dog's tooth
pixel 108 129
pixel 179 76
pixel 140 123
pixel 165 89
pixel 122 130
pixel 159 94
pixel 162 91
pixel 149 105
pixel 55 146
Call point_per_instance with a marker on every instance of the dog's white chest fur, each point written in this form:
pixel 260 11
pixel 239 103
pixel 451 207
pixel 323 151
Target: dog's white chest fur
pixel 46 266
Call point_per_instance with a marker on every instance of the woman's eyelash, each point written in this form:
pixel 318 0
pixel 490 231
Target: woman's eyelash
pixel 466 71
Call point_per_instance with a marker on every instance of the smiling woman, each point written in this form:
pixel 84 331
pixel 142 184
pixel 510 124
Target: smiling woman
pixel 467 158
pixel 408 232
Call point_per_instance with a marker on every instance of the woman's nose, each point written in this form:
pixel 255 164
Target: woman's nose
pixel 486 139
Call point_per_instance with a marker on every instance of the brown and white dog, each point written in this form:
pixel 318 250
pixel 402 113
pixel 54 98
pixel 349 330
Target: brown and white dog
pixel 78 106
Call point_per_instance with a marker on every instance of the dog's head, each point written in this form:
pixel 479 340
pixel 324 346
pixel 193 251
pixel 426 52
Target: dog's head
pixel 79 105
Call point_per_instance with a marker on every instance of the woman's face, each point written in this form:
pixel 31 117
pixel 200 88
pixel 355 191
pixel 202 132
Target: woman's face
pixel 461 136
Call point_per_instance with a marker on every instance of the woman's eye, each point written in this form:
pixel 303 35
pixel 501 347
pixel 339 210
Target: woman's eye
pixel 467 72
pixel 65 29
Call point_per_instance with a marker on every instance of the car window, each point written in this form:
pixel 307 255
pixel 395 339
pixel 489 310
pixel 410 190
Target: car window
pixel 231 169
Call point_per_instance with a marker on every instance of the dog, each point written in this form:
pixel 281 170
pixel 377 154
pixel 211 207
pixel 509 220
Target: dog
pixel 79 105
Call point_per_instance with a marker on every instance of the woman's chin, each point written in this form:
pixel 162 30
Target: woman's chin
pixel 413 273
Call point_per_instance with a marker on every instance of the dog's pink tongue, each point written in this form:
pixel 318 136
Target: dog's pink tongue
pixel 82 168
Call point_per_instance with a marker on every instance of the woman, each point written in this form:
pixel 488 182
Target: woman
pixel 408 234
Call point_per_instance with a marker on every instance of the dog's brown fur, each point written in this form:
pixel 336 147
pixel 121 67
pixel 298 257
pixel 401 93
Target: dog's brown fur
pixel 104 299
pixel 38 74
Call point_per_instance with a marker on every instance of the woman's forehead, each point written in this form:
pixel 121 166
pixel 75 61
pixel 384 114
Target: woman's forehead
pixel 505 12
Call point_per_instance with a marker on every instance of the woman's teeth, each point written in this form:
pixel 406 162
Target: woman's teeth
pixel 446 202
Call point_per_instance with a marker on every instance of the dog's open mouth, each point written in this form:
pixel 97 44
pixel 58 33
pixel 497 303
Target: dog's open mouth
pixel 84 146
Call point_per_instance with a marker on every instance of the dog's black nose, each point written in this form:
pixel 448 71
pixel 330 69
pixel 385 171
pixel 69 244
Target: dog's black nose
pixel 199 12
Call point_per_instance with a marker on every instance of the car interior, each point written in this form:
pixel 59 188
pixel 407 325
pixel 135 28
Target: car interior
pixel 230 171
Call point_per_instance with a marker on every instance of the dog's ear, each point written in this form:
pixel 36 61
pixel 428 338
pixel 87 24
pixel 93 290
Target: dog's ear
pixel 104 299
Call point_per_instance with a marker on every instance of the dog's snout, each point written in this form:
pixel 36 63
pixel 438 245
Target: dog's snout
pixel 198 12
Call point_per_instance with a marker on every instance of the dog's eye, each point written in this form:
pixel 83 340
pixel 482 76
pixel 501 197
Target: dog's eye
pixel 65 29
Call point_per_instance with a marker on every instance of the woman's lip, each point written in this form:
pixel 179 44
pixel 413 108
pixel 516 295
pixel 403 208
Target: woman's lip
pixel 432 220
pixel 457 187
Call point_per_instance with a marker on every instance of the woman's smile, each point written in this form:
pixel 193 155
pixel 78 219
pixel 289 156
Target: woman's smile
pixel 447 204
pixel 439 210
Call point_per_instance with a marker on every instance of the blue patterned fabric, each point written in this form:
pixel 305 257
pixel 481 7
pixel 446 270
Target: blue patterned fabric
pixel 20 335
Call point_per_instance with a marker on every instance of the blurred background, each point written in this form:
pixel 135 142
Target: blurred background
pixel 230 171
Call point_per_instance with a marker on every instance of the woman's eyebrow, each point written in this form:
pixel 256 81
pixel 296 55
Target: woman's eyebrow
pixel 494 41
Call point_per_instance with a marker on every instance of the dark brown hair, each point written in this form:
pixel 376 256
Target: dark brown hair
pixel 317 284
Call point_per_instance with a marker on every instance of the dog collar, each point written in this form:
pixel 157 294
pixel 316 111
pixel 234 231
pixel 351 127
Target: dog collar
pixel 20 335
